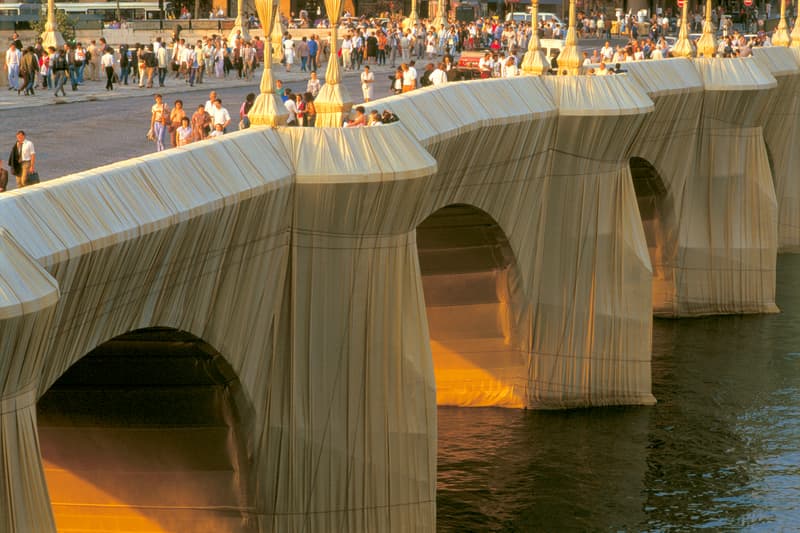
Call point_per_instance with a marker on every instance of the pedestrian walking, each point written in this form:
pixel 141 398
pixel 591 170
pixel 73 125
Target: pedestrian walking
pixel 13 60
pixel 22 161
pixel 28 69
pixel 367 81
pixel 58 62
pixel 107 63
pixel 244 121
pixel 159 116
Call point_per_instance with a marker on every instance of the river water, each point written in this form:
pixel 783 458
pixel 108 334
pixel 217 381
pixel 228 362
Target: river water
pixel 720 450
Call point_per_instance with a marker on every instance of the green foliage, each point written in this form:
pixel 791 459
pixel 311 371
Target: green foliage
pixel 65 23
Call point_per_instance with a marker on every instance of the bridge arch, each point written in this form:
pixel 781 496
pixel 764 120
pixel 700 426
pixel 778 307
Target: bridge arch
pixel 659 230
pixel 473 300
pixel 149 431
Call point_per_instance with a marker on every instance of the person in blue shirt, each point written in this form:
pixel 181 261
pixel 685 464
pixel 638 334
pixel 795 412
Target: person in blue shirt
pixel 280 90
pixel 313 48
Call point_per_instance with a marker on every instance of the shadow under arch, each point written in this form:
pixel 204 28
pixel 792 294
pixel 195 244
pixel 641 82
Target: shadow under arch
pixel 473 302
pixel 651 194
pixel 149 432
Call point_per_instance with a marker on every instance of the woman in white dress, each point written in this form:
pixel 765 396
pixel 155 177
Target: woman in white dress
pixel 219 61
pixel 288 52
pixel 430 44
pixel 367 81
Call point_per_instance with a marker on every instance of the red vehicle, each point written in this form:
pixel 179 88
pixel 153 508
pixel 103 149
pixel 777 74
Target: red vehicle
pixel 467 65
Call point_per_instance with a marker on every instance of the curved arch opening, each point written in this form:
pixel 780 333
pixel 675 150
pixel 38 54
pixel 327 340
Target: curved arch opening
pixel 650 196
pixel 470 283
pixel 148 432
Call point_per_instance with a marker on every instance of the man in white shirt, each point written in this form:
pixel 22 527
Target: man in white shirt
pixel 438 76
pixel 291 107
pixel 607 52
pixel 405 46
pixel 23 160
pixel 209 107
pixel 107 63
pixel 347 51
pixel 13 58
pixel 161 56
pixel 413 72
pixel 220 115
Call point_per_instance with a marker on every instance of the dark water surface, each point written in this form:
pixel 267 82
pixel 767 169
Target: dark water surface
pixel 720 450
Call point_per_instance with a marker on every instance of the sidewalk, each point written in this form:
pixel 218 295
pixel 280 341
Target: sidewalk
pixel 95 90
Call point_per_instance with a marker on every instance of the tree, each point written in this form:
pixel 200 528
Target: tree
pixel 65 23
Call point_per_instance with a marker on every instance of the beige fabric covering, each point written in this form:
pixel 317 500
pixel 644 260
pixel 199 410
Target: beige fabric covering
pixel 492 248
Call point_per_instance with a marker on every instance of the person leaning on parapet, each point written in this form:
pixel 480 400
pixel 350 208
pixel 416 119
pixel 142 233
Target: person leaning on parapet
pixel 220 116
pixel 22 160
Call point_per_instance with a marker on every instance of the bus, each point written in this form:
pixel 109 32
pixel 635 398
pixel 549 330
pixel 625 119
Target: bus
pixel 17 10
pixel 108 11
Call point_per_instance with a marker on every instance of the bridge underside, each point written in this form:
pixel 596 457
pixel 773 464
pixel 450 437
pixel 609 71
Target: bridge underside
pixel 465 262
pixel 144 434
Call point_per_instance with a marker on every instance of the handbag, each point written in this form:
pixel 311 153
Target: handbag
pixel 3 179
pixel 33 177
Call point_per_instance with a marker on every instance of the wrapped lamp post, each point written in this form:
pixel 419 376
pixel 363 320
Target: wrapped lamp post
pixel 440 21
pixel 684 47
pixel 569 59
pixel 51 36
pixel 707 44
pixel 781 35
pixel 333 101
pixel 239 27
pixel 535 61
pixel 277 39
pixel 268 109
pixel 413 17
pixel 796 33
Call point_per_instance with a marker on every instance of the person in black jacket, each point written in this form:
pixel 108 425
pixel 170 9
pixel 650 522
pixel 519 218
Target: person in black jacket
pixel 124 64
pixel 59 65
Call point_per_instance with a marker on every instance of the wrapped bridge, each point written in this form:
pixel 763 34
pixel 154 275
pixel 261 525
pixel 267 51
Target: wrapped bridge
pixel 253 333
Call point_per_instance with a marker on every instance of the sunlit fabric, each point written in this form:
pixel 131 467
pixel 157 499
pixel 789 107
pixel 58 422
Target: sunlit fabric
pixel 333 102
pixel 713 243
pixel 781 127
pixel 350 277
pixel 267 110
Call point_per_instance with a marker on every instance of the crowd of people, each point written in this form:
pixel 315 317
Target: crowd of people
pixel 176 126
pixel 147 65
pixel 366 44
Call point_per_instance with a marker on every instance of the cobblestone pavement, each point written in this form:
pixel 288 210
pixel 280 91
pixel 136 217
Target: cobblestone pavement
pixel 93 127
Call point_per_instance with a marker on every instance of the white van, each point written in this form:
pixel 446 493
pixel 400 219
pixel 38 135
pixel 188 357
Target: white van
pixel 518 16
pixel 549 17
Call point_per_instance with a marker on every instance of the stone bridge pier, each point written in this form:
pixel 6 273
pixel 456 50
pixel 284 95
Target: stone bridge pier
pixel 704 186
